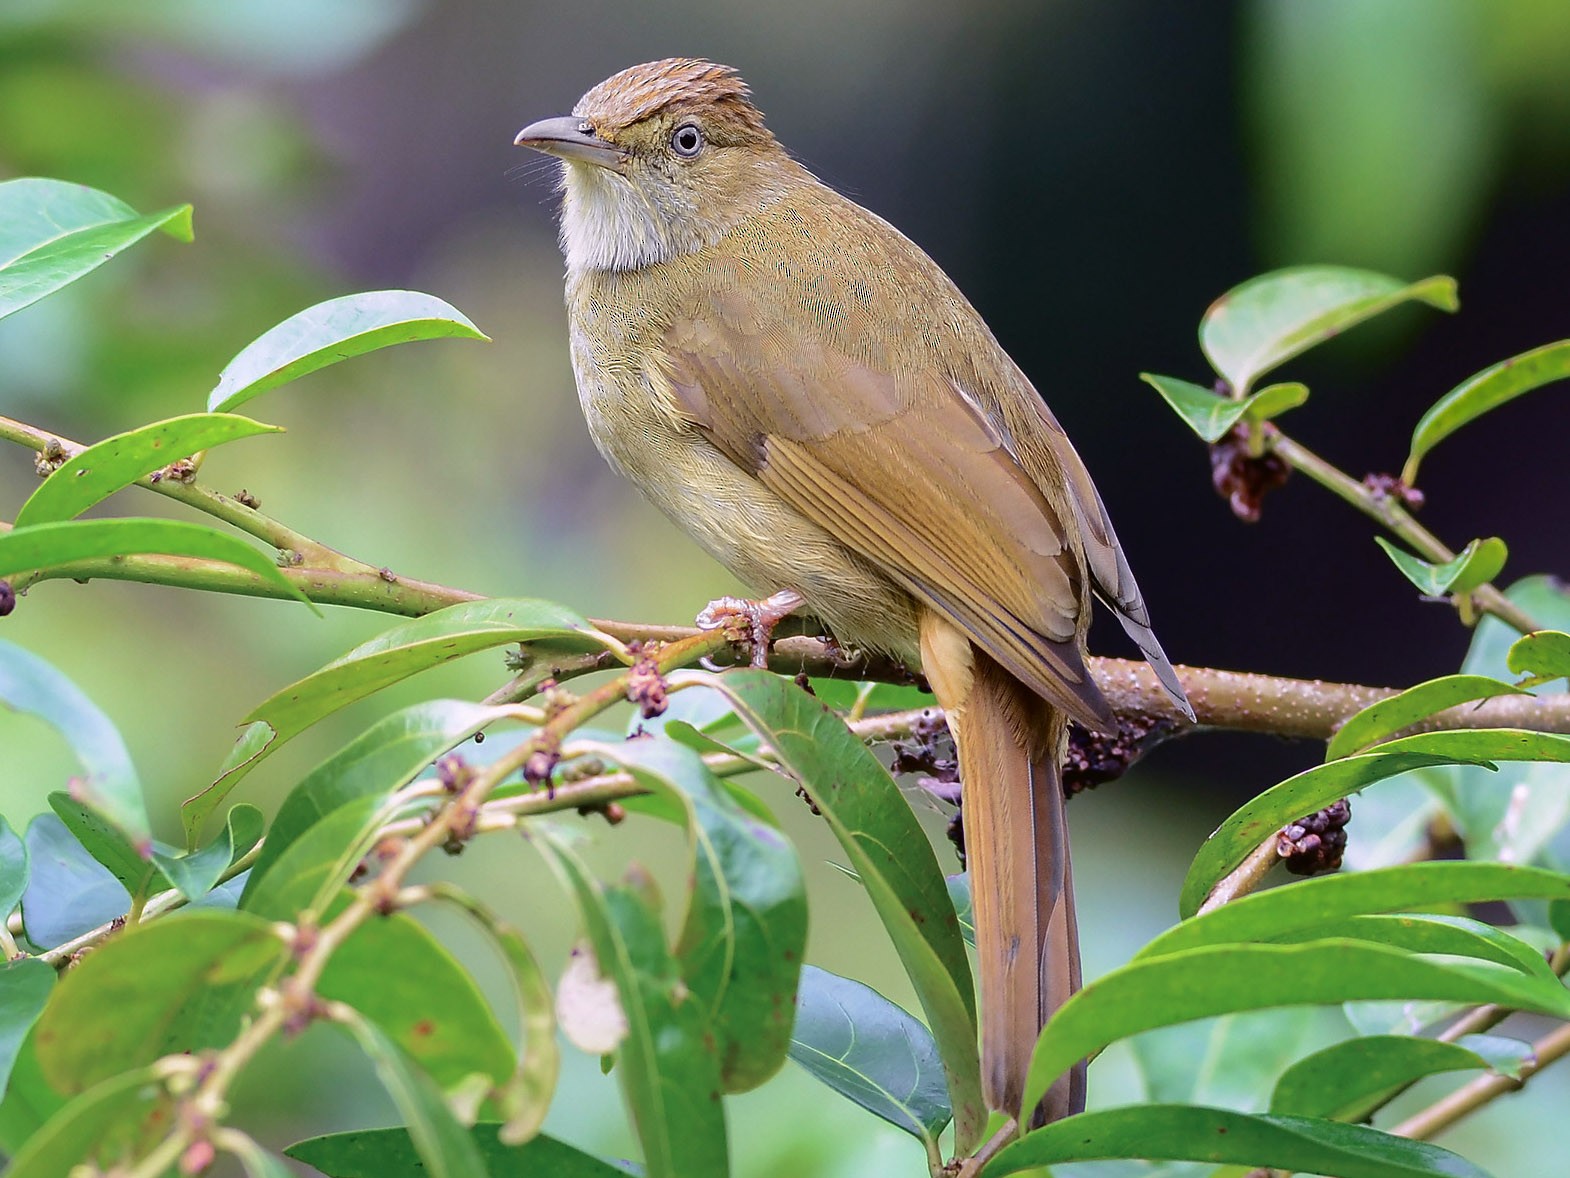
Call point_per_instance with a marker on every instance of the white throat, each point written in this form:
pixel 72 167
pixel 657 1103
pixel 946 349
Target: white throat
pixel 609 223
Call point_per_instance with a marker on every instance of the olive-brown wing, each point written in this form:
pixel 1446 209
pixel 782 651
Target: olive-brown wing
pixel 908 473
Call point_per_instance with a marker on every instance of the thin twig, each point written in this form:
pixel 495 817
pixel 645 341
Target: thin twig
pixel 231 511
pixel 1243 878
pixel 61 955
pixel 1470 1097
pixel 1388 512
pixel 375 589
pixel 972 1165
pixel 294 1001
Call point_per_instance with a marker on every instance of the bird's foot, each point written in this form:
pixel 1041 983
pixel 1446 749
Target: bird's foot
pixel 751 622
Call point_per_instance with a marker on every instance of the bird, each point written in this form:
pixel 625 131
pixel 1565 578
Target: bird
pixel 800 388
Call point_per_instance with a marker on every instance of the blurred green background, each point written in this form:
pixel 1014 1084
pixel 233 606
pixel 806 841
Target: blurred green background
pixel 1091 174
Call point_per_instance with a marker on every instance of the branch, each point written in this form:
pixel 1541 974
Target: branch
pixel 1235 701
pixel 374 589
pixel 1472 1096
pixel 293 1002
pixel 231 511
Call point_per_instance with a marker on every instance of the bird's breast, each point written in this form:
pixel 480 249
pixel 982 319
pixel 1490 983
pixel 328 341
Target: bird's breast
pixel 617 357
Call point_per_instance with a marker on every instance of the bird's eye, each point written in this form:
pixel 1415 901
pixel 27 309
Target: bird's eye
pixel 687 140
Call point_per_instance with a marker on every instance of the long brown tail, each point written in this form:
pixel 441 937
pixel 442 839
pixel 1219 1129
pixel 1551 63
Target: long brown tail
pixel 1010 747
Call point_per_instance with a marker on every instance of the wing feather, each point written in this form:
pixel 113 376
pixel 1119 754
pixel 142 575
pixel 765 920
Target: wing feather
pixel 951 515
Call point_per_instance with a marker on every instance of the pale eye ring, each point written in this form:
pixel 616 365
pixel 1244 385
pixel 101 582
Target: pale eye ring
pixel 687 140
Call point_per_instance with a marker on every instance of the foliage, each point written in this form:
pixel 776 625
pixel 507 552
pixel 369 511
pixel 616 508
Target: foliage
pixel 254 932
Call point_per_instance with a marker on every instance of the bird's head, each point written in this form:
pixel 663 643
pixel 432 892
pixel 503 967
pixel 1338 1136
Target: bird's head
pixel 658 161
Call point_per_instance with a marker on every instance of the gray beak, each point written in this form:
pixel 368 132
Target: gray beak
pixel 571 138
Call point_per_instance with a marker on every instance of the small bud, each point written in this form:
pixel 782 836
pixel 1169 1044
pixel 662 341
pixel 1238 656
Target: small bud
pixel 453 772
pixel 1242 478
pixel 197 1157
pixel 1389 486
pixel 647 689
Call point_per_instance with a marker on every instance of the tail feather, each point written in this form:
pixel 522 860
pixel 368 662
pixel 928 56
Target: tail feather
pixel 1010 747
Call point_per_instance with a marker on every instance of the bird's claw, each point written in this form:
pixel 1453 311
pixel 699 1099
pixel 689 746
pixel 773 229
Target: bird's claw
pixel 751 622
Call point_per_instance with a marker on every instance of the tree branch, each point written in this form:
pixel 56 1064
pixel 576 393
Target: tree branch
pixel 1235 701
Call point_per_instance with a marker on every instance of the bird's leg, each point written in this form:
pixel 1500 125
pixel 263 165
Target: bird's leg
pixel 752 622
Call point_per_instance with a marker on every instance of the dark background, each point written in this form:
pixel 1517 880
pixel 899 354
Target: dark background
pixel 1091 174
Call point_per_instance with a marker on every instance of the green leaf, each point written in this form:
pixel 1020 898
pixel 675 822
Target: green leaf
pixel 13 869
pixel 1222 979
pixel 25 984
pixel 1318 787
pixel 1219 1136
pixel 869 1050
pixel 442 1143
pixel 1486 390
pixel 332 331
pixel 104 842
pixel 1267 320
pixel 1515 816
pixel 1559 918
pixel 1308 903
pixel 1274 400
pixel 669 1070
pixel 389 658
pixel 49 546
pixel 1394 822
pixel 1542 656
pixel 198 872
pixel 52 233
pixel 843 694
pixel 1258 818
pixel 1519 817
pixel 1544 598
pixel 1348 1081
pixel 1230 1061
pixel 1432 933
pixel 177 984
pixel 1211 415
pixel 32 686
pixel 311 871
pixel 1476 564
pixel 29 1100
pixel 745 930
pixel 964 911
pixel 525 1097
pixel 100 470
pixel 379 762
pixel 1391 715
pixel 429 1005
pixel 68 892
pixel 892 857
pixel 115 1121
pixel 379 1153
